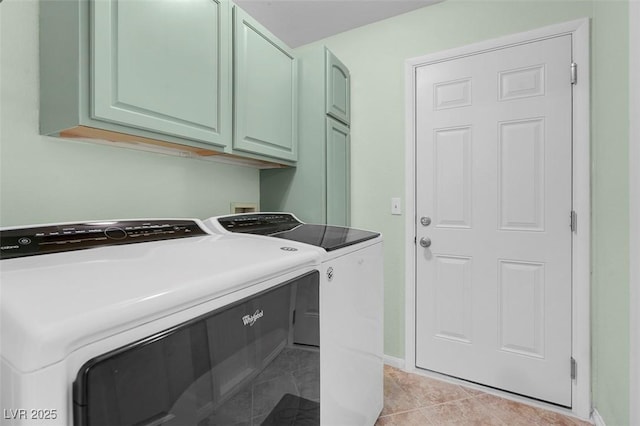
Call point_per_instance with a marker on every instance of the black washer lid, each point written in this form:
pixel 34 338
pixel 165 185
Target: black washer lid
pixel 286 226
pixel 326 236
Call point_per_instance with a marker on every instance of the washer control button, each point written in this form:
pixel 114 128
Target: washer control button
pixel 115 233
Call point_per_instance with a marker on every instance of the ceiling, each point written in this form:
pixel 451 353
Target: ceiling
pixel 298 22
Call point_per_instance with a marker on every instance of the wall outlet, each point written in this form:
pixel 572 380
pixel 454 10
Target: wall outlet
pixel 395 206
pixel 237 208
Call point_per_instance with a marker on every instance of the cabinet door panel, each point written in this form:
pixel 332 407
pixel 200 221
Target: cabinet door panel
pixel 338 172
pixel 265 84
pixel 338 103
pixel 163 65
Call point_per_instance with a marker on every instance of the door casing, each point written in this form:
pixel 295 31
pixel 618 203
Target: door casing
pixel 581 176
pixel 634 212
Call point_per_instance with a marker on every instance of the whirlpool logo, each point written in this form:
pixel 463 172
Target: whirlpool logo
pixel 251 319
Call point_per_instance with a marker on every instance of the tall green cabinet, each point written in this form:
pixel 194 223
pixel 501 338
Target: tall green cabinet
pixel 318 189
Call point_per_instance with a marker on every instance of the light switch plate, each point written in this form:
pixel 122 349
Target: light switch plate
pixel 395 206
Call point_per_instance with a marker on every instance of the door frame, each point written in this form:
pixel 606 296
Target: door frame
pixel 634 209
pixel 581 188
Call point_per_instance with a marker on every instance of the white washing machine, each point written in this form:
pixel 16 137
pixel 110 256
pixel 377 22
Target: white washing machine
pixel 152 322
pixel 350 309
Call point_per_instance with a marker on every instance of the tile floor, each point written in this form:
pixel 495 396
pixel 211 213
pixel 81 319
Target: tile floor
pixel 411 399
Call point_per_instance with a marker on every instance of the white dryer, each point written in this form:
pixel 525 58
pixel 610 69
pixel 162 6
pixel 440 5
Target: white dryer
pixel 152 322
pixel 350 309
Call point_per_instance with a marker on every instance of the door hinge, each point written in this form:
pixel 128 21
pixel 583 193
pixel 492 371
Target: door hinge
pixel 574 221
pixel 293 321
pixel 574 73
pixel 415 240
pixel 574 369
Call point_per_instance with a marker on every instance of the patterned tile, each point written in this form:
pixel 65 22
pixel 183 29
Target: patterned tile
pixel 517 413
pixel 472 392
pixel 396 400
pixel 428 391
pixel 512 412
pixel 410 418
pixel 557 419
pixel 470 411
pixel 442 403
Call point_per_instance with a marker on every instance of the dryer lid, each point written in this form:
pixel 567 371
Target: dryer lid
pixel 288 227
pixel 326 236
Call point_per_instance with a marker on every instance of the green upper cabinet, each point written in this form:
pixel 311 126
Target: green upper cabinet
pixel 265 91
pixel 159 74
pixel 318 189
pixel 338 84
pixel 163 65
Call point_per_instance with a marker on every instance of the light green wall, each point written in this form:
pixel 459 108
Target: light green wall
pixel 45 179
pixel 375 55
pixel 610 192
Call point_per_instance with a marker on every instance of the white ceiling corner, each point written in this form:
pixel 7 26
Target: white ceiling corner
pixel 299 22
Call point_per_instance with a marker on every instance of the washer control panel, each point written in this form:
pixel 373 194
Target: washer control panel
pixel 31 241
pixel 259 223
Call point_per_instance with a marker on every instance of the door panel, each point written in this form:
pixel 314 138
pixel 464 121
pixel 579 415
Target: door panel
pixel 453 282
pixel 521 307
pixel 521 175
pixel 452 158
pixel 493 146
pixel 522 83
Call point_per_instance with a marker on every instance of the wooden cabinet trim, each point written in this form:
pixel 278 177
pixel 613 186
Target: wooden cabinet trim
pixel 140 142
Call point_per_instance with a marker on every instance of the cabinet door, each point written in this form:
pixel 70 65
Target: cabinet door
pixel 338 174
pixel 338 103
pixel 163 65
pixel 265 91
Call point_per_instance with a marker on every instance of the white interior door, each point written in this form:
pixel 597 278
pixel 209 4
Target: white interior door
pixel 493 170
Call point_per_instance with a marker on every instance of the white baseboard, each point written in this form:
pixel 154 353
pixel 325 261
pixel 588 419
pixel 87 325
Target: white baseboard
pixel 394 362
pixel 597 419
